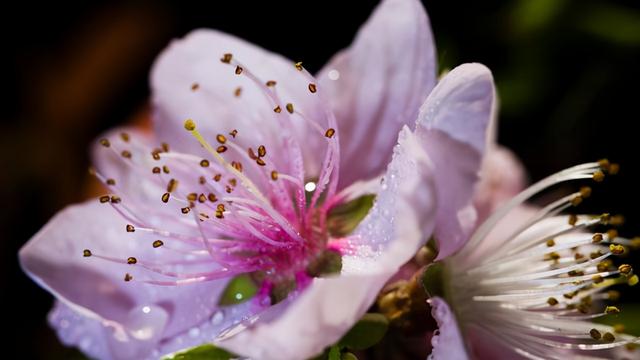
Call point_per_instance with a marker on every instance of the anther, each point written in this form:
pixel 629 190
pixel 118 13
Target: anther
pixel 576 200
pixel 212 197
pixel 104 199
pixel 115 199
pixel 598 176
pixel 128 277
pixel 330 132
pixel 155 170
pixel 165 147
pixel 298 65
pixel 260 162
pixel 172 185
pixel 614 169
pixel 220 149
pixel 202 180
pixel 185 210
pixel 217 177
pixel 221 138
pixel 608 337
pixel 130 228
pixel 552 256
pixel 597 279
pixel 262 151
pixel 165 197
pixel 595 334
pixel 618 328
pixel 220 207
pixel 155 154
pixel 157 243
pixel 131 260
pixel 605 218
pixel 289 107
pixel 604 164
pixel 596 238
pixel 313 88
pixel 237 92
pixel 105 142
pixel 192 196
pixel 617 220
pixel 86 253
pixel 226 58
pixel 202 198
pixel 124 136
pixel 233 133
pixel 204 163
pixel 277 109
pixel 238 70
pixel 633 280
pixel 550 243
pixel 585 191
pixel 616 249
pixel 195 86
pixel 190 125
pixel 611 310
pixel 271 83
pixel 612 234
pixel 552 301
pixel 111 182
pixel 603 266
pixel 251 154
pixel 573 219
pixel 237 165
pixel 126 154
pixel 274 175
pixel 219 214
pixel 613 295
pixel 228 189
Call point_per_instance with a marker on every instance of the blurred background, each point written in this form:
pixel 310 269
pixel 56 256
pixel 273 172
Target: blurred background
pixel 568 76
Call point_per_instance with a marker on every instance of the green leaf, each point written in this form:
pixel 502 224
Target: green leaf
pixel 348 356
pixel 366 332
pixel 240 289
pixel 334 353
pixel 432 280
pixel 202 352
pixel 328 262
pixel 344 218
pixel 629 317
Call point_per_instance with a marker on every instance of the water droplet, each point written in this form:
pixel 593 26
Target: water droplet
pixel 217 317
pixel 333 74
pixel 140 332
pixel 194 332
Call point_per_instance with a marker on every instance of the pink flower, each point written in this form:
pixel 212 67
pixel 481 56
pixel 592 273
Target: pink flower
pixel 247 189
pixel 527 281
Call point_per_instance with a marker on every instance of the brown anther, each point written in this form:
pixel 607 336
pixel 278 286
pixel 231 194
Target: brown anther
pixel 165 169
pixel 202 198
pixel 277 109
pixel 165 147
pixel 274 175
pixel 289 107
pixel 552 301
pixel 605 218
pixel 551 243
pixel 262 151
pixel 260 162
pixel 239 70
pixel 597 279
pixel 576 200
pixel 608 337
pixel 220 207
pixel 585 191
pixel 104 199
pixel 613 295
pixel 219 214
pixel 185 210
pixel 86 253
pixel 552 256
pixel 202 180
pixel 631 346
pixel 575 273
pixel 573 219
pixel 616 249
pixel 603 266
pixel 233 182
pixel 105 142
pixel 583 308
pixel 195 86
pixel 611 310
pixel 233 133
pixel 130 228
pixel 220 149
pixel 172 185
pixel 617 220
pixel 115 199
pixel 111 182
pixel 313 88
pixel 251 154
pixel 221 138
pixel 330 132
pixel 226 58
pixel 578 256
pixel 570 295
pixel 598 176
pixel 156 170
pixel 604 164
pixel 157 243
pixel 612 234
pixel 190 125
pixel 237 165
pixel 298 65
pixel 192 196
pixel 212 197
pixel 128 277
pixel 204 163
pixel 595 254
pixel 155 154
pixel 228 189
pixel 165 197
pixel 596 238
pixel 217 177
pixel 125 136
pixel 595 334
pixel 126 154
pixel 237 92
pixel 625 269
pixel 614 169
pixel 92 171
pixel 131 260
pixel 203 215
pixel 271 83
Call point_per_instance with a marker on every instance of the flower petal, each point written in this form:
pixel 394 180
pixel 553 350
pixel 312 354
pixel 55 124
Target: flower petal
pixel 453 128
pixel 377 85
pixel 387 238
pixel 194 61
pixel 94 288
pixel 448 343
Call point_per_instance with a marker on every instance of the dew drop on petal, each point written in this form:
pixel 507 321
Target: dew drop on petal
pixel 333 74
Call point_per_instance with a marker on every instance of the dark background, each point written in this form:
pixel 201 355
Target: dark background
pixel 568 75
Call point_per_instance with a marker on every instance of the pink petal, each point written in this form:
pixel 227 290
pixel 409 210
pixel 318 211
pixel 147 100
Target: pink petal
pixel 382 79
pixel 387 238
pixel 448 343
pixel 95 289
pixel 195 59
pixel 453 129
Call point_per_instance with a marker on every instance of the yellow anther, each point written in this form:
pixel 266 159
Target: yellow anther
pixel 221 138
pixel 313 88
pixel 190 125
pixel 131 260
pixel 604 164
pixel 130 228
pixel 212 197
pixel 573 219
pixel 220 149
pixel 595 334
pixel 552 256
pixel 202 198
pixel 226 58
pixel 104 199
pixel 616 249
pixel 165 197
pixel 597 237
pixel 611 310
pixel 157 243
pixel 551 243
pixel 192 196
pixel 330 132
pixel 597 279
pixel 603 266
pixel 289 107
pixel 598 176
pixel 625 269
pixel 633 280
pixel 172 185
pixel 204 163
pixel 86 253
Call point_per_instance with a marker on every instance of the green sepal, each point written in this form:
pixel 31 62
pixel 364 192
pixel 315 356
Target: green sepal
pixel 240 289
pixel 202 352
pixel 366 332
pixel 344 218
pixel 432 280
